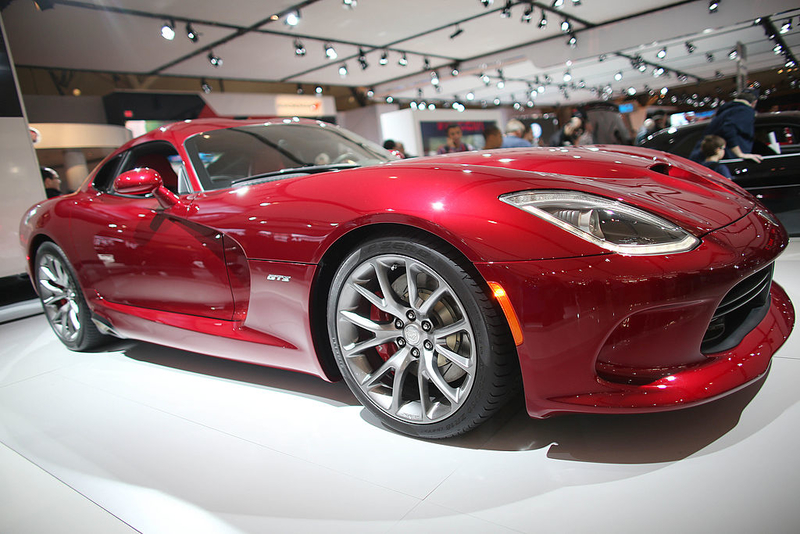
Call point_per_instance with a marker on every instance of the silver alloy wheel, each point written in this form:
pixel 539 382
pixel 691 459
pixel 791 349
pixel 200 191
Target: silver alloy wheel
pixel 59 296
pixel 406 338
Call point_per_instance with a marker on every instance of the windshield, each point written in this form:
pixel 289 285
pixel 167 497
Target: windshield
pixel 224 157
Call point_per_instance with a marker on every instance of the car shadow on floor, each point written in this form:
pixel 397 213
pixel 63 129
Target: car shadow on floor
pixel 614 439
pixel 290 381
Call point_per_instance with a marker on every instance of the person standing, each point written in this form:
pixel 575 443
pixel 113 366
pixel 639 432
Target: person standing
pixel 569 134
pixel 454 143
pixel 493 137
pixel 514 132
pixel 52 182
pixel 735 123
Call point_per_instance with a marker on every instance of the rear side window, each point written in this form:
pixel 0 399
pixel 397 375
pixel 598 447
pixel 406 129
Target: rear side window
pixel 776 139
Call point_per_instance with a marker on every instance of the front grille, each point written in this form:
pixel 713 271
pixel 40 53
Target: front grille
pixel 739 312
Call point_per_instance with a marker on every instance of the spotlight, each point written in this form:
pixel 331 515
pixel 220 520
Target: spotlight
pixel 485 79
pixel 572 41
pixel 205 86
pixel 458 31
pixel 506 12
pixel 565 26
pixel 601 58
pixel 709 57
pixel 501 84
pixel 454 70
pixel 658 71
pixel 487 3
pixel 403 61
pixel 543 21
pixel 567 76
pixel 470 96
pixel 558 4
pixel 389 99
pixel 300 89
pixel 528 14
pixel 299 49
pixel 713 6
pixel 214 60
pixel 690 48
pixel 370 92
pixel 786 27
pixel 777 49
pixel 733 54
pixel 292 18
pixel 496 101
pixel 426 64
pixel 576 2
pixel 683 78
pixel 349 4
pixel 618 76
pixel 191 33
pixel 631 91
pixel 168 30
pixel 384 58
pixel 661 54
pixel 435 79
pixel 318 89
pixel 343 70
pixel 330 52
pixel 362 59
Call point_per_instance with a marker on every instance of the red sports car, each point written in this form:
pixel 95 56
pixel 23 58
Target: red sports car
pixel 601 279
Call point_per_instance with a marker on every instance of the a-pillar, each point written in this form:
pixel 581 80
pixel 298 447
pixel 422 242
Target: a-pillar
pixel 75 168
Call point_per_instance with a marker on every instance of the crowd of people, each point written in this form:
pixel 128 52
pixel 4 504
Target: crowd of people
pixel 730 134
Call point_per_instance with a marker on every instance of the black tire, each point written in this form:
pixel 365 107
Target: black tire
pixel 64 305
pixel 452 331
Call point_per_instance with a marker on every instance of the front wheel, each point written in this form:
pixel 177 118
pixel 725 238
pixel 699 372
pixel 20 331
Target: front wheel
pixel 63 301
pixel 418 339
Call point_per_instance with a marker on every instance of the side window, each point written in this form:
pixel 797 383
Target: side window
pixel 162 158
pixel 105 176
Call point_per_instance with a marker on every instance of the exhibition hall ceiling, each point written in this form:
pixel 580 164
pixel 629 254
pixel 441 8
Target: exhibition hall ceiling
pixel 502 50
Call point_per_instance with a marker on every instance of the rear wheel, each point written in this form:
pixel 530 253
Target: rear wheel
pixel 63 301
pixel 418 340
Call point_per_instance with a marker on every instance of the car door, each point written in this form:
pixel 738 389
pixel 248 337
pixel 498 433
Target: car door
pixel 144 256
pixel 776 180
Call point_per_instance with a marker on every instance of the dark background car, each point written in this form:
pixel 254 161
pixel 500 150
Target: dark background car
pixel 775 181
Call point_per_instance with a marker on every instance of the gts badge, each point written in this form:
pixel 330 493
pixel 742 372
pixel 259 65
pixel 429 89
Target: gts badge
pixel 278 278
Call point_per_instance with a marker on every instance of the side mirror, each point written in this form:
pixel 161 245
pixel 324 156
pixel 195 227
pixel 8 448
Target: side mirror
pixel 143 181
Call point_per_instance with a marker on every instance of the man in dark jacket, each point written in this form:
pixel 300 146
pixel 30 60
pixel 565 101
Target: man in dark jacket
pixel 734 122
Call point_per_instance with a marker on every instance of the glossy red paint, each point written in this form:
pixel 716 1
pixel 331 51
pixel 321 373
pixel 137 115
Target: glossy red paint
pixel 234 272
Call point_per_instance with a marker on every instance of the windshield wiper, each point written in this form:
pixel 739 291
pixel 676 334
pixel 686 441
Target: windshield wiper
pixel 310 169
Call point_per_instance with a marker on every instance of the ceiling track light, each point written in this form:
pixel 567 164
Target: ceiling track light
pixel 487 3
pixel 384 60
pixel 618 76
pixel 330 52
pixel 300 90
pixel 349 4
pixel 543 21
pixel 168 30
pixel 455 69
pixel 299 49
pixel 713 6
pixel 690 48
pixel 371 92
pixel 458 31
pixel 362 59
pixel 435 79
pixel 786 27
pixel 205 86
pixel 292 18
pixel 426 64
pixel 215 60
pixel 343 70
pixel 566 26
pixel 661 54
pixel 558 4
pixel 709 57
pixel 191 34
pixel 576 3
pixel 527 15
pixel 318 89
pixel 733 54
pixel 572 41
pixel 506 12
pixel 403 61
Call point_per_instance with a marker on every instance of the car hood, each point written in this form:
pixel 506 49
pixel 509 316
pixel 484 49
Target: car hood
pixel 677 189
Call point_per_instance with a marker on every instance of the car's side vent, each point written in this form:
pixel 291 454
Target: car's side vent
pixel 661 168
pixel 739 312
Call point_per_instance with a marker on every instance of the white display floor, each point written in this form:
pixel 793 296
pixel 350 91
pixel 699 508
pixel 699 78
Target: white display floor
pixel 149 439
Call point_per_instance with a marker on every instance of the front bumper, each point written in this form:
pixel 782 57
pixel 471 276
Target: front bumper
pixel 616 334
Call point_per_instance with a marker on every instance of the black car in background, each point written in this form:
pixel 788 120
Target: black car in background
pixel 775 181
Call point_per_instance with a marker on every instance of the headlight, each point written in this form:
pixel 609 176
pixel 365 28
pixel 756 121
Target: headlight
pixel 607 223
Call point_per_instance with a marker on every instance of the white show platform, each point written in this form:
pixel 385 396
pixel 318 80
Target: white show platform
pixel 150 439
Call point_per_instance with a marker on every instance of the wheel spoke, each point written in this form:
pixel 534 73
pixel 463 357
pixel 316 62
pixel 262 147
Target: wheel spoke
pixel 362 322
pixel 411 281
pixel 427 306
pixel 393 306
pixel 424 394
pixel 445 331
pixel 438 380
pixel 397 360
pixel 463 362
pixel 354 349
pixel 400 374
